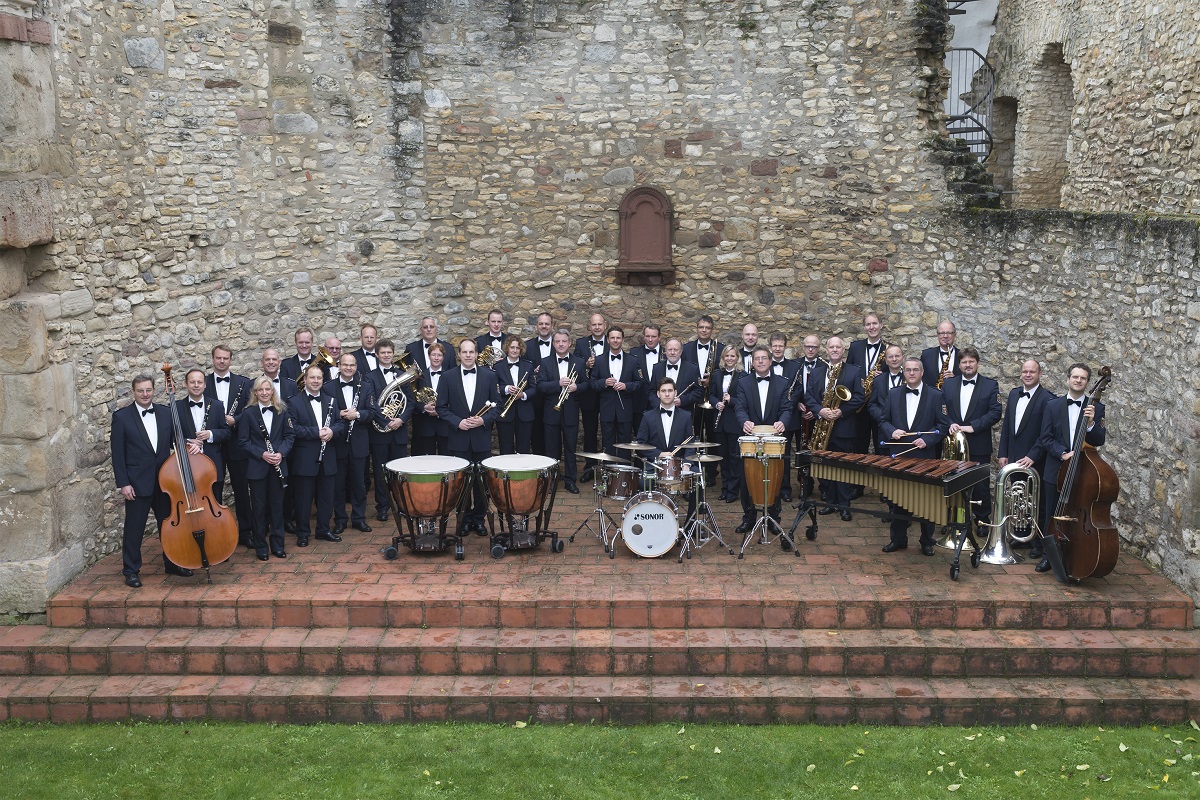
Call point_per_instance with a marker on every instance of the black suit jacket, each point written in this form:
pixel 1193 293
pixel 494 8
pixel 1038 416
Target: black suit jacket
pixel 416 354
pixel 135 461
pixel 877 405
pixel 651 431
pixel 686 377
pixel 425 426
pixel 213 420
pixel 356 442
pixel 729 418
pixel 286 389
pixel 290 368
pixel 364 366
pixel 856 354
pixel 484 340
pixel 748 407
pixel 306 449
pixel 929 417
pixel 522 410
pixel 691 353
pixel 452 407
pixel 1015 443
pixel 584 349
pixel 239 392
pixel 931 360
pixel 533 350
pixel 549 390
pixel 982 414
pixel 632 375
pixel 842 435
pixel 1056 434
pixel 254 446
pixel 642 397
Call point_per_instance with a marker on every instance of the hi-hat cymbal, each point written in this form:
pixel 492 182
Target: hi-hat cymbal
pixel 634 446
pixel 700 445
pixel 706 459
pixel 604 457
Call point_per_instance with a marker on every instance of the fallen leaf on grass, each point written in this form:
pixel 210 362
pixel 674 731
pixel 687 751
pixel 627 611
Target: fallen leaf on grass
pixel 1019 772
pixel 679 731
pixel 1194 725
pixel 854 788
pixel 1123 747
pixel 954 787
pixel 1033 727
pixel 971 738
pixel 519 724
pixel 1082 767
pixel 716 750
pixel 810 767
pixel 1170 762
pixel 1103 778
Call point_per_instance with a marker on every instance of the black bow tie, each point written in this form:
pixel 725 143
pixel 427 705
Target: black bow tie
pixel 595 343
pixel 435 372
pixel 616 357
pixel 223 380
pixel 305 361
pixel 274 380
pixel 470 371
pixel 496 339
pixel 763 377
pixel 651 351
pixel 147 412
pixel 969 383
pixel 672 366
pixel 666 411
pixel 809 364
pixel 427 345
pixel 265 411
pixel 910 390
pixel 543 343
pixel 1026 395
pixel 563 360
pixel 316 397
pixel 1076 403
pixel 194 404
pixel 701 346
pixel 344 384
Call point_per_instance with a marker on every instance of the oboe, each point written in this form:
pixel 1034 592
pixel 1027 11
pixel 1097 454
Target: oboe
pixel 328 418
pixel 267 438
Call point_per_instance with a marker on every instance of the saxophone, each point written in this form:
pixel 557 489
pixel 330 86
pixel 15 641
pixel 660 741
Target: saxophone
pixel 835 395
pixel 869 382
pixel 942 372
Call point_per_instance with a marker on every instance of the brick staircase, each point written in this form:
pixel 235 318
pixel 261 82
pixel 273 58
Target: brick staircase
pixel 840 633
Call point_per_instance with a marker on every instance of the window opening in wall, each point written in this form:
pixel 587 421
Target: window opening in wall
pixel 1042 129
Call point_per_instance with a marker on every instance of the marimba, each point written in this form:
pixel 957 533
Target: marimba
pixel 931 489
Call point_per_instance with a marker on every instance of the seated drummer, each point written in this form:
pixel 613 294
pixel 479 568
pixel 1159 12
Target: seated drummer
pixel 759 400
pixel 665 430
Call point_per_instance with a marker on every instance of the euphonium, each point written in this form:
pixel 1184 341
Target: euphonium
pixel 1016 505
pixel 393 401
pixel 835 395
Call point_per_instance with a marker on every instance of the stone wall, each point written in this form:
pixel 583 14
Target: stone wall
pixel 228 171
pixel 1135 68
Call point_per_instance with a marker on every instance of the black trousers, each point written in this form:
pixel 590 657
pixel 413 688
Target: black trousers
pixel 590 419
pixel 381 454
pixel 475 499
pixel 242 503
pixel 615 431
pixel 137 512
pixel 266 496
pixel 515 436
pixel 899 528
pixel 560 444
pixel 731 464
pixel 306 489
pixel 349 486
pixel 431 445
pixel 537 436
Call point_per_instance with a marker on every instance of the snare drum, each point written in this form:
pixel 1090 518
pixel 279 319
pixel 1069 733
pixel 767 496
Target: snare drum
pixel 618 481
pixel 427 486
pixel 674 474
pixel 764 479
pixel 649 526
pixel 519 483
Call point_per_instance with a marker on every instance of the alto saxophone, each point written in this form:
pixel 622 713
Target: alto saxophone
pixel 834 396
pixel 869 382
pixel 942 371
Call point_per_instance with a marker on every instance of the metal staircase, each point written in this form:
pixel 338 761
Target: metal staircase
pixel 969 100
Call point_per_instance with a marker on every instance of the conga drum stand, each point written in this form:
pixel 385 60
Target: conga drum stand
pixel 766 526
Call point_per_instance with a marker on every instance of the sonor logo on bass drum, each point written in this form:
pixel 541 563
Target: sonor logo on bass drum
pixel 644 515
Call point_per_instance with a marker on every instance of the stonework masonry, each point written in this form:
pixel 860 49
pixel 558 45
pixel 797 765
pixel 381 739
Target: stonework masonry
pixel 225 172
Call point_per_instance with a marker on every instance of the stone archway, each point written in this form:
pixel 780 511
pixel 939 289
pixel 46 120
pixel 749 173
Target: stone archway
pixel 1042 129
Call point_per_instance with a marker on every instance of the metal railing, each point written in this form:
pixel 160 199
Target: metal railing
pixel 969 99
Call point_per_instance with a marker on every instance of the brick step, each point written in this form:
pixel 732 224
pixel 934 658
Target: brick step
pixel 417 606
pixel 39 650
pixel 832 700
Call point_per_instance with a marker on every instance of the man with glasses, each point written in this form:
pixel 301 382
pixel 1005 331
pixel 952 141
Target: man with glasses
pixel 945 353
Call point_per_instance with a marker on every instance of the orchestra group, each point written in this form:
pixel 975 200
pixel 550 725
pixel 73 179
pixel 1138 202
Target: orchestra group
pixel 310 433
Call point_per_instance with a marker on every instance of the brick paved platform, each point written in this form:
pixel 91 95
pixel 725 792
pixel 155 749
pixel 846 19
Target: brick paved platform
pixel 837 632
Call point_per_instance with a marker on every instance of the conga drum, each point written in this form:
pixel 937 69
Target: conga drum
pixel 763 460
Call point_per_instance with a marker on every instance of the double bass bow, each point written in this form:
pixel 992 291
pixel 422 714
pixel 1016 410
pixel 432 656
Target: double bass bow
pixel 1082 521
pixel 198 531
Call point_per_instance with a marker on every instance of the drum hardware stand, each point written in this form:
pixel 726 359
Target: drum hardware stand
pixel 425 534
pixel 701 527
pixel 604 520
pixel 766 522
pixel 964 531
pixel 805 506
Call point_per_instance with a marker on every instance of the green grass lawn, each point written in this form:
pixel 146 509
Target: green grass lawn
pixel 243 761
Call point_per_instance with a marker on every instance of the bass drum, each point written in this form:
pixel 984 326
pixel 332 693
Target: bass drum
pixel 649 526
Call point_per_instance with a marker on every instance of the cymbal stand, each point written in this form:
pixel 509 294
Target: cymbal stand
pixel 763 528
pixel 605 523
pixel 701 527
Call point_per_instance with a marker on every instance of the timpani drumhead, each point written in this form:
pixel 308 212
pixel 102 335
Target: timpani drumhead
pixel 417 467
pixel 519 466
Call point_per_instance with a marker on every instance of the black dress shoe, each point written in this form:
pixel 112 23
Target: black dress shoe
pixel 731 499
pixel 786 495
pixel 280 553
pixel 262 556
pixel 926 549
pixel 846 516
pixel 329 537
pixel 133 581
pixel 338 528
pixel 824 511
pixel 745 527
pixel 892 547
pixel 289 526
pixel 572 488
pixel 382 516
pixel 1043 566
pixel 1037 552
pixel 302 542
pixel 586 476
pixel 182 572
pixel 361 526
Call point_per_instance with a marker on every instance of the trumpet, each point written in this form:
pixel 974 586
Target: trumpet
pixel 566 390
pixel 512 398
pixel 323 357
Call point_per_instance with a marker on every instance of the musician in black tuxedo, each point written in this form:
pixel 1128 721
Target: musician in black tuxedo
pixel 294 365
pixel 843 417
pixel 141 443
pixel 355 399
pixel 665 427
pixel 705 353
pixel 431 433
pixel 493 337
pixel 973 407
pixel 562 370
pixel 313 461
pixel 515 429
pixel 418 352
pixel 1021 431
pixel 932 358
pixel 915 407
pixel 869 356
pixel 891 378
pixel 203 425
pixel 617 378
pixel 266 420
pixel 749 342
pixel 392 443
pixel 760 399
pixel 588 349
pixel 722 389
pixel 366 355
pixel 788 369
pixel 1060 424
pixel 648 356
pixel 803 419
pixel 333 346
pixel 537 349
pixel 685 374
pixel 232 394
pixel 469 401
pixel 271 363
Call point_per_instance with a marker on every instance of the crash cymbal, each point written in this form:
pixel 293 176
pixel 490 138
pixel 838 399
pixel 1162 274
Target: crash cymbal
pixel 706 459
pixel 603 457
pixel 701 445
pixel 633 446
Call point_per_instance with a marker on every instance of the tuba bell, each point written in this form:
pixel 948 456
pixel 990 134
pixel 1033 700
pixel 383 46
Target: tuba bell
pixel 393 401
pixel 954 448
pixel 1016 504
pixel 323 358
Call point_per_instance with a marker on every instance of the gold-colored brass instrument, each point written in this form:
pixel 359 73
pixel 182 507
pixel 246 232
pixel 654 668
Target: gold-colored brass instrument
pixel 411 371
pixel 1016 506
pixel 425 395
pixel 512 398
pixel 487 357
pixel 954 448
pixel 869 382
pixel 572 376
pixel 323 357
pixel 942 372
pixel 393 401
pixel 835 395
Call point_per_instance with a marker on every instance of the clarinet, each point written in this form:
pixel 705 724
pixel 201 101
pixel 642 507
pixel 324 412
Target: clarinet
pixel 354 406
pixel 328 417
pixel 267 438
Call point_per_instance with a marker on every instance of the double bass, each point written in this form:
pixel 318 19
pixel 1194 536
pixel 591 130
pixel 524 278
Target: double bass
pixel 1082 522
pixel 199 531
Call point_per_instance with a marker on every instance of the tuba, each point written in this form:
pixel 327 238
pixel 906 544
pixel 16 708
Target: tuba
pixel 393 401
pixel 1017 505
pixel 835 395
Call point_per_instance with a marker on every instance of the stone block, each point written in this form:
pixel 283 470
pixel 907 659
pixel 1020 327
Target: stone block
pixel 778 277
pixel 765 166
pixel 17 158
pixel 76 302
pixel 33 406
pixel 28 528
pixel 25 586
pixel 621 176
pixel 23 330
pixel 295 123
pixel 13 271
pixel 76 505
pixel 25 469
pixel 144 52
pixel 26 214
pixel 740 229
pixel 284 34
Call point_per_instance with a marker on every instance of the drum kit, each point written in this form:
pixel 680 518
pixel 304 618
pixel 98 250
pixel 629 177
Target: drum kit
pixel 426 490
pixel 763 462
pixel 652 501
